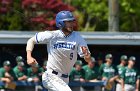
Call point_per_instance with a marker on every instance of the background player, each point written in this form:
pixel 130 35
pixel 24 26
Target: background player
pixel 63 46
pixel 131 76
pixel 121 67
pixel 109 73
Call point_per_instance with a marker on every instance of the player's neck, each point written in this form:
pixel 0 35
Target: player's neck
pixel 66 32
pixel 121 64
pixel 108 63
pixel 130 66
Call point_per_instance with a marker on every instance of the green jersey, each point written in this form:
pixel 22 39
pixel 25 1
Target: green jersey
pixel 90 73
pixel 30 73
pixel 120 69
pixel 11 72
pixel 130 76
pixel 108 71
pixel 75 75
pixel 19 73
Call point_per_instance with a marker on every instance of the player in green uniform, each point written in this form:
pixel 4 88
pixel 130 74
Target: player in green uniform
pixel 131 76
pixel 91 74
pixel 77 73
pixel 34 73
pixel 6 73
pixel 108 72
pixel 20 72
pixel 99 62
pixel 43 68
pixel 121 67
pixel 91 71
pixel 18 59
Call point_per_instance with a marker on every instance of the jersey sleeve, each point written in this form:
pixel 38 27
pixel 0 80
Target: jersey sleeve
pixel 71 76
pixel 82 42
pixel 43 37
pixel 1 73
pixel 100 71
pixel 123 74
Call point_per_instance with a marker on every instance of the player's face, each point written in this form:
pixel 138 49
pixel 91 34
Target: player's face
pixel 78 67
pixel 131 62
pixel 124 62
pixel 100 62
pixel 69 26
pixel 109 60
pixel 20 68
pixel 91 64
pixel 7 68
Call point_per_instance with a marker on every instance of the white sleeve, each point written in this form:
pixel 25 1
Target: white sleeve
pixel 82 42
pixel 43 37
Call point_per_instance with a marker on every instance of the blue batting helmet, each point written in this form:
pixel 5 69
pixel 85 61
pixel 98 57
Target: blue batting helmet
pixel 63 16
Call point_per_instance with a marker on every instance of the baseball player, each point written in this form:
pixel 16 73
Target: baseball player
pixel 131 76
pixel 77 73
pixel 120 68
pixel 63 46
pixel 109 72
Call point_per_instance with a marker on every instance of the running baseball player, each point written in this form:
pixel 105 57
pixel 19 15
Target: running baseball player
pixel 63 46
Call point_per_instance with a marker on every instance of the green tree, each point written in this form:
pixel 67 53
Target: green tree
pixel 129 15
pixel 92 14
pixel 10 19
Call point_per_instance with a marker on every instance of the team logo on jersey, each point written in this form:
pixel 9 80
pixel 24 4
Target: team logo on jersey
pixel 130 74
pixel 109 70
pixel 67 45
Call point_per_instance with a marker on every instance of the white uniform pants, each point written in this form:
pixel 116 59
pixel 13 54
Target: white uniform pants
pixel 118 87
pixel 54 82
pixel 129 87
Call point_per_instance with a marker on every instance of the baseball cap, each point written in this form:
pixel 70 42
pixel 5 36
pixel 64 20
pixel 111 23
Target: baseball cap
pixel 19 58
pixel 93 59
pixel 132 58
pixel 78 62
pixel 6 63
pixel 108 56
pixel 20 64
pixel 123 57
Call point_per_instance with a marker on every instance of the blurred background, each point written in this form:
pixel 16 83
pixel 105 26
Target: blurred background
pixel 108 26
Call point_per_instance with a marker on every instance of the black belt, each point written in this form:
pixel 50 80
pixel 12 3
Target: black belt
pixel 63 75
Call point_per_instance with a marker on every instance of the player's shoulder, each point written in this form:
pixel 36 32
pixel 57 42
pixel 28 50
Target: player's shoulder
pixel 135 69
pixel 85 67
pixel 76 33
pixel 1 69
pixel 52 32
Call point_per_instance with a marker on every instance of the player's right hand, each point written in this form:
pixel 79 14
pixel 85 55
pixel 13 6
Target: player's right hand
pixel 31 61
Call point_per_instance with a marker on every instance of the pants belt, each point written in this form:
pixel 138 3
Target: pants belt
pixel 62 75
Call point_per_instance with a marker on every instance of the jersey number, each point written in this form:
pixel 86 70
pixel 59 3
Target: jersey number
pixel 71 56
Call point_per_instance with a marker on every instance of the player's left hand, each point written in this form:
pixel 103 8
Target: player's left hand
pixel 85 51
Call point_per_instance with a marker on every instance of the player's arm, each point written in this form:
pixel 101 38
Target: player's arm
pixel 122 76
pixel 30 45
pixel 137 84
pixel 138 81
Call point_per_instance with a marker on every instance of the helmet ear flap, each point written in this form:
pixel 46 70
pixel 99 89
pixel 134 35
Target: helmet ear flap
pixel 61 24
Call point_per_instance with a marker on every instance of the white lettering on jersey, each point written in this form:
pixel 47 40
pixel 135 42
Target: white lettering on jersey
pixel 68 45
